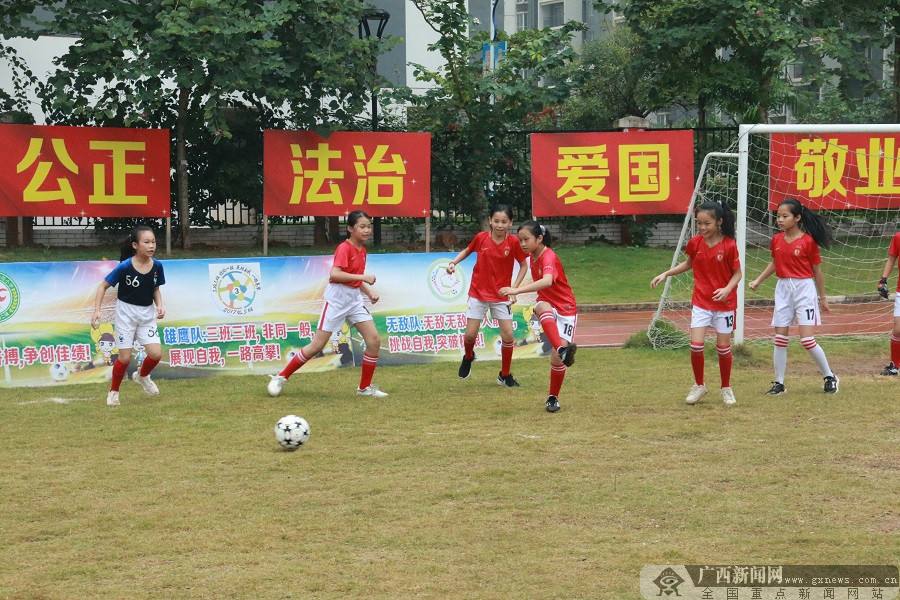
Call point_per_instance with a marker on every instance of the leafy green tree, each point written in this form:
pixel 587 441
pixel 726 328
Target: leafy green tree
pixel 16 21
pixel 189 64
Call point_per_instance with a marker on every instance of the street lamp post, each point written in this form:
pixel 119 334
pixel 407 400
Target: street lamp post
pixel 373 22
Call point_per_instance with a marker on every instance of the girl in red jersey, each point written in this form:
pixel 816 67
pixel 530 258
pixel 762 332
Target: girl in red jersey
pixel 713 256
pixel 800 290
pixel 497 251
pixel 893 253
pixel 347 284
pixel 555 306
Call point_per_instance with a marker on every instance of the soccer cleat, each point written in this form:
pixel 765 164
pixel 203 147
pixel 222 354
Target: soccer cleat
pixel 276 384
pixel 777 389
pixel 697 392
pixel 552 404
pixel 567 354
pixel 372 391
pixel 112 398
pixel 508 381
pixel 890 370
pixel 831 384
pixel 146 383
pixel 728 396
pixel 465 367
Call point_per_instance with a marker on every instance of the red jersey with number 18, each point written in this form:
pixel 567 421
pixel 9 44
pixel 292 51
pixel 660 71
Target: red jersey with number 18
pixel 559 295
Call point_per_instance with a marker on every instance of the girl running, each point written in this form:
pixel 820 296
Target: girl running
pixel 893 253
pixel 555 306
pixel 497 251
pixel 347 284
pixel 713 256
pixel 800 290
pixel 138 277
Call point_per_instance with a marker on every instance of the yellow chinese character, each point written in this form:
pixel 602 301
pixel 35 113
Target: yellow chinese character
pixel 585 170
pixel 644 172
pixel 120 169
pixel 879 161
pixel 820 161
pixel 368 187
pixel 317 177
pixel 32 191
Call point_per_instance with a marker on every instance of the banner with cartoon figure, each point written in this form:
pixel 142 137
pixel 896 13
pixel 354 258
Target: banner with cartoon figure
pixel 238 316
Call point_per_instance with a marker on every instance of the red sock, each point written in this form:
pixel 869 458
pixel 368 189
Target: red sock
pixel 697 362
pixel 118 373
pixel 895 350
pixel 548 324
pixel 506 352
pixel 725 360
pixel 469 348
pixel 557 374
pixel 295 363
pixel 368 370
pixel 148 365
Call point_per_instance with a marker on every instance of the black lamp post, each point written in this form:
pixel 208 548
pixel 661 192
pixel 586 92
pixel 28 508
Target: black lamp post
pixel 373 21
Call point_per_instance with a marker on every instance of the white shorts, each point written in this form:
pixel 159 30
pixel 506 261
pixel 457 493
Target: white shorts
pixel 342 303
pixel 500 311
pixel 722 320
pixel 135 324
pixel 796 303
pixel 566 325
pixel 897 305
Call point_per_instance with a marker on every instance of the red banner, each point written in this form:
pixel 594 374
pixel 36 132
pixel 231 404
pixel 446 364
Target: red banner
pixel 385 174
pixel 619 173
pixel 835 171
pixel 51 171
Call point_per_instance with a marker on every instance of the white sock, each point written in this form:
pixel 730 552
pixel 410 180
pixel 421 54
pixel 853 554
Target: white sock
pixel 818 355
pixel 779 357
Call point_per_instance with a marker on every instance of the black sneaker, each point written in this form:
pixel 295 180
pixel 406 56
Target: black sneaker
pixel 890 370
pixel 777 389
pixel 567 354
pixel 508 381
pixel 465 367
pixel 831 384
pixel 552 404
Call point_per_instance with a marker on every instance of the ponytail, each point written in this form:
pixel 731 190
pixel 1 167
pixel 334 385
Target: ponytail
pixel 126 249
pixel 536 229
pixel 811 222
pixel 719 210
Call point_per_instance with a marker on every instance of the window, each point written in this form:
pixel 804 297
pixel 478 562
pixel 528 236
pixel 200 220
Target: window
pixel 521 16
pixel 553 15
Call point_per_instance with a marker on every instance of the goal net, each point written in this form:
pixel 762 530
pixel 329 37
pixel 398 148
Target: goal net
pixel 849 174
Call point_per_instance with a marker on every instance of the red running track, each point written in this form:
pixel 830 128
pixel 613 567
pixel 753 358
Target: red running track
pixel 613 328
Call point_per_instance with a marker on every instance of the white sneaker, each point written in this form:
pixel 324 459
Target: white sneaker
pixel 112 398
pixel 145 382
pixel 276 384
pixel 728 397
pixel 697 392
pixel 372 391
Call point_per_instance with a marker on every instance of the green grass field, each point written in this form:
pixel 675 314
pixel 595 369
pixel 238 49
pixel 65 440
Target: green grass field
pixel 447 489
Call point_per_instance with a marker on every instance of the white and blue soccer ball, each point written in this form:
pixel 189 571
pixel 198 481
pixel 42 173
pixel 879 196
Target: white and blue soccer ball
pixel 291 432
pixel 59 372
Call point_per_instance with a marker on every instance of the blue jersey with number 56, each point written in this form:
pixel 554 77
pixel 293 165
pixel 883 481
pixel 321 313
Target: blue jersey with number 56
pixel 136 287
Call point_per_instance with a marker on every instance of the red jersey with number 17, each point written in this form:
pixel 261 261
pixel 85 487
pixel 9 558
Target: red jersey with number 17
pixel 494 266
pixel 559 295
pixel 351 260
pixel 795 260
pixel 894 250
pixel 713 268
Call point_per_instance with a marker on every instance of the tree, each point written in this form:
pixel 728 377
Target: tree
pixel 15 21
pixel 470 109
pixel 188 64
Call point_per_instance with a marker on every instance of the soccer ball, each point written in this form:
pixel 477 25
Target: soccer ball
pixel 59 372
pixel 291 432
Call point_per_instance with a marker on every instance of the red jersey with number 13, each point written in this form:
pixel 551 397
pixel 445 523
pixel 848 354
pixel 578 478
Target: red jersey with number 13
pixel 795 260
pixel 494 266
pixel 713 268
pixel 559 295
pixel 351 260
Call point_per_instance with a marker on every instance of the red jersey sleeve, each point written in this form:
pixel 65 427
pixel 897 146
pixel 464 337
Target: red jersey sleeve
pixel 517 251
pixel 735 256
pixel 476 241
pixel 342 256
pixel 691 248
pixel 547 265
pixel 894 248
pixel 815 256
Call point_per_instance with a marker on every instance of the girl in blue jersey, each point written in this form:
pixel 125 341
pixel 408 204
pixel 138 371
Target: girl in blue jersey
pixel 138 277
